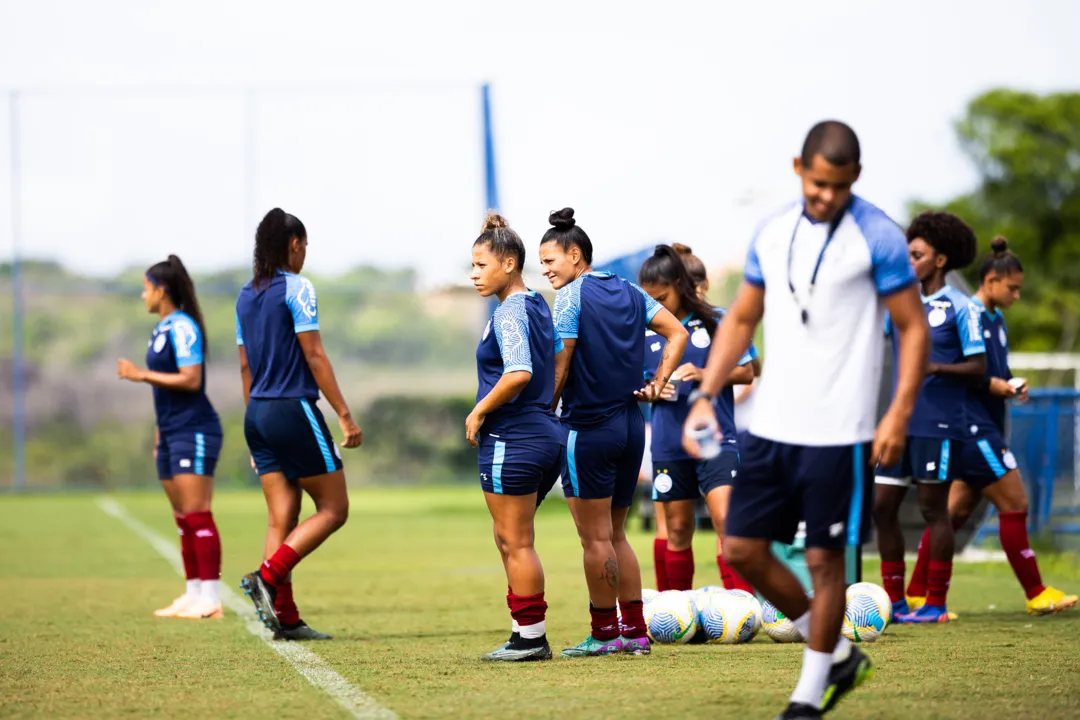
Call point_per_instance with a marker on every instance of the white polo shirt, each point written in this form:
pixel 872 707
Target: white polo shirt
pixel 820 381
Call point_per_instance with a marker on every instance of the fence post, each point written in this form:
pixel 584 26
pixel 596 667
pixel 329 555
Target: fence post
pixel 1049 466
pixel 18 310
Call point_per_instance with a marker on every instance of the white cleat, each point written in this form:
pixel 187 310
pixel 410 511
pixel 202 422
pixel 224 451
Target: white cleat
pixel 178 606
pixel 202 609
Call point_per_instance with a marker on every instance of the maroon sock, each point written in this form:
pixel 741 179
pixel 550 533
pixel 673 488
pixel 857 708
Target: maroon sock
pixel 633 619
pixel 207 544
pixel 187 548
pixel 659 549
pixel 680 568
pixel 276 570
pixel 937 586
pixel 285 606
pixel 605 623
pixel 730 579
pixel 1012 529
pixel 917 585
pixel 527 609
pixel 892 578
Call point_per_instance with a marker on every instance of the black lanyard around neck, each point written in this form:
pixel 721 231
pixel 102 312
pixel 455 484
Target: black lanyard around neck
pixel 833 225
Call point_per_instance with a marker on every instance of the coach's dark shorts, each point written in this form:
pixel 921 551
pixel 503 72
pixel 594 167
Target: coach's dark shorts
pixel 926 460
pixel 778 485
pixel 188 453
pixel 686 479
pixel 290 436
pixel 519 467
pixel 603 461
pixel 985 460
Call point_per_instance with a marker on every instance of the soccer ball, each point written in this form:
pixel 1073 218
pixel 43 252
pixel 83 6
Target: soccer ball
pixel 742 593
pixel 671 618
pixel 778 626
pixel 867 613
pixel 728 618
pixel 648 595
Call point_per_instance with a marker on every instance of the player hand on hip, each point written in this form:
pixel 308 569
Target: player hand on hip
pixel 889 440
pixel 352 432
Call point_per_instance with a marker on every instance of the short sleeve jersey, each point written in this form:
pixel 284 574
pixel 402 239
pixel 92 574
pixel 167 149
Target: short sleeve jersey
pixel 607 316
pixel 955 334
pixel 175 343
pixel 520 336
pixel 819 386
pixel 986 412
pixel 669 416
pixel 268 319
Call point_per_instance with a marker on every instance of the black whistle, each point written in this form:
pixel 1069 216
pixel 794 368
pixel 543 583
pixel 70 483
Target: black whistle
pixel 805 317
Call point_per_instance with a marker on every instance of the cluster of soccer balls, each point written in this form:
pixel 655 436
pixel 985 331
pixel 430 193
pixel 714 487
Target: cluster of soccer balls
pixel 728 617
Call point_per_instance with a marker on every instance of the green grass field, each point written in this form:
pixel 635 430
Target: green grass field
pixel 414 592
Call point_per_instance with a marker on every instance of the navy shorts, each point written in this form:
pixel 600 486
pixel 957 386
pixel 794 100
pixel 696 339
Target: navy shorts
pixel 603 461
pixel 687 479
pixel 187 453
pixel 519 467
pixel 985 460
pixel 290 436
pixel 926 460
pixel 779 485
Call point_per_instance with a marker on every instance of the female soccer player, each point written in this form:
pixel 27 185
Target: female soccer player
pixel 938 242
pixel 513 425
pixel 988 465
pixel 187 437
pixel 602 319
pixel 678 479
pixel 283 367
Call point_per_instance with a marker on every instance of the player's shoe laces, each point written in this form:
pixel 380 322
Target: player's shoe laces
pixel 926 615
pixel 520 650
pixel 591 647
pixel 178 606
pixel 845 676
pixel 1050 602
pixel 262 594
pixel 202 608
pixel 800 711
pixel 300 631
pixel 637 646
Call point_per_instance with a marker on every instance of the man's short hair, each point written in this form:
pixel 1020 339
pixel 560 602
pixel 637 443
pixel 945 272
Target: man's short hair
pixel 833 140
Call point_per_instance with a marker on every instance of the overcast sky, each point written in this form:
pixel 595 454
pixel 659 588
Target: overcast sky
pixel 671 121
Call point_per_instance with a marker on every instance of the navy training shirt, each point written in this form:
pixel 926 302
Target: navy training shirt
pixel 175 343
pixel 986 412
pixel 955 335
pixel 524 339
pixel 669 416
pixel 268 319
pixel 607 315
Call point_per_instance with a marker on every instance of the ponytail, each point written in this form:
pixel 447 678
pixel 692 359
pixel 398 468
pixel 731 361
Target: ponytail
pixel 1000 261
pixel 666 267
pixel 272 239
pixel 173 277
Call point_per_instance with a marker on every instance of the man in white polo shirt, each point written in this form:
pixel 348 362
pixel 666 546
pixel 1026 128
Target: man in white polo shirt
pixel 822 272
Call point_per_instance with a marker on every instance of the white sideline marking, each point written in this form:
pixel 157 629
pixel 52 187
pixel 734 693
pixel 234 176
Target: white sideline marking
pixel 356 702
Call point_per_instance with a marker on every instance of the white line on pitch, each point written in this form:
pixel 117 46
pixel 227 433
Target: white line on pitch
pixel 356 702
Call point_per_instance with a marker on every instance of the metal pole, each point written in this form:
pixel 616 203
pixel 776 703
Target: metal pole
pixel 249 161
pixel 18 374
pixel 491 186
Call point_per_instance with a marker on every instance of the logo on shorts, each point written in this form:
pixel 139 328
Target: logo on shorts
pixel 655 347
pixel 836 529
pixel 931 466
pixel 1009 459
pixel 483 477
pixel 662 483
pixel 734 473
pixel 159 342
pixel 700 338
pixel 185 463
pixel 974 429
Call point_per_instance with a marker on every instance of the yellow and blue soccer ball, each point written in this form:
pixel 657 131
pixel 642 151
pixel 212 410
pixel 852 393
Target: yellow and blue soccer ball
pixel 867 614
pixel 728 618
pixel 648 595
pixel 671 618
pixel 779 626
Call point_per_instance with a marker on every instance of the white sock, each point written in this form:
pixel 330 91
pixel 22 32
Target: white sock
pixel 803 624
pixel 514 627
pixel 531 632
pixel 211 590
pixel 814 677
pixel 843 645
pixel 193 588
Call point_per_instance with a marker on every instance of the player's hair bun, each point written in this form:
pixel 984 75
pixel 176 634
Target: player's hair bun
pixel 999 245
pixel 562 219
pixel 682 249
pixel 493 221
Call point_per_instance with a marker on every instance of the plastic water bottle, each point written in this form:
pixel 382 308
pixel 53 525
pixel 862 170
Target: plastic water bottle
pixel 707 442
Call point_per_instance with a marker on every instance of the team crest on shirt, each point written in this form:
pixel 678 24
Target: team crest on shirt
pixel 663 483
pixel 700 338
pixel 1009 460
pixel 936 318
pixel 159 342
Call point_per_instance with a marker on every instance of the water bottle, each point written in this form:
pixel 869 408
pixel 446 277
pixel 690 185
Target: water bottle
pixel 707 442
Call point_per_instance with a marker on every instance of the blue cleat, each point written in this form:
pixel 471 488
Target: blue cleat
pixel 926 615
pixel 900 607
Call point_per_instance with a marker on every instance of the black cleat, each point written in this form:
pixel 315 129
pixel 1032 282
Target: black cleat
pixel 300 631
pixel 262 594
pixel 519 649
pixel 846 676
pixel 800 711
